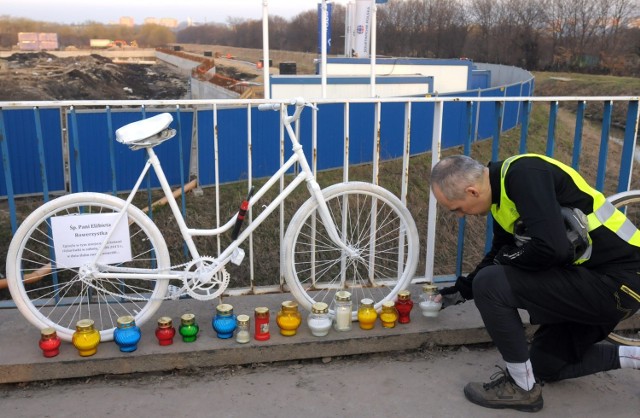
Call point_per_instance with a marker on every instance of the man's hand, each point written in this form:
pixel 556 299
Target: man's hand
pixel 458 293
pixel 450 299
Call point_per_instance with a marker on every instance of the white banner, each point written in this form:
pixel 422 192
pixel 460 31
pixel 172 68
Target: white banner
pixel 362 29
pixel 78 238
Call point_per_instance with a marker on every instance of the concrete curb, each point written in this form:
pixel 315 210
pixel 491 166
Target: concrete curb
pixel 22 360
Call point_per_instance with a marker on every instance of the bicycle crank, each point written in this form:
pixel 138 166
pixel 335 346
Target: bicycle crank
pixel 205 279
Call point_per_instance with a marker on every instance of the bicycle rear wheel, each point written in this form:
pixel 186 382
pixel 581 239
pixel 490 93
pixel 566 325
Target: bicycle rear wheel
pixel 49 295
pixel 374 223
pixel 628 331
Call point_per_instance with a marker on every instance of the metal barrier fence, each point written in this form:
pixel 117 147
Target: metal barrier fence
pixel 60 147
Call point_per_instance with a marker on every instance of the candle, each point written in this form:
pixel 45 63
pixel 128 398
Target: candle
pixel 318 321
pixel 404 304
pixel 242 333
pixel 49 342
pixel 288 318
pixel 165 331
pixel 188 328
pixel 262 324
pixel 389 314
pixel 342 320
pixel 86 338
pixel 367 315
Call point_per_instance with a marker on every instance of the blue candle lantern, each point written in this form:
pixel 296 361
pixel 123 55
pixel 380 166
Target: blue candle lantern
pixel 127 334
pixel 224 323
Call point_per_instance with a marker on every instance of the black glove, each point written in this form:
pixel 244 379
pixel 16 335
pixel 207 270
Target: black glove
pixel 461 287
pixel 451 299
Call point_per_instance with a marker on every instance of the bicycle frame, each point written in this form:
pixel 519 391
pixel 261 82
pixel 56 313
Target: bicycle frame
pixel 187 233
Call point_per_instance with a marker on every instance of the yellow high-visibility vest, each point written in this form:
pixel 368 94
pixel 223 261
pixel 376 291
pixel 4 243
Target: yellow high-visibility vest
pixel 603 214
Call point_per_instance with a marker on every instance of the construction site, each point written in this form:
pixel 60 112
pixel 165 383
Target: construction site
pixel 90 76
pixel 128 73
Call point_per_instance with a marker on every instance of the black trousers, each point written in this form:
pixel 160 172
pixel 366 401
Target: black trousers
pixel 575 307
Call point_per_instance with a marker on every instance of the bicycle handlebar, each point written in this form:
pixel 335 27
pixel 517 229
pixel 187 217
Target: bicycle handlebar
pixel 287 119
pixel 298 102
pixel 269 106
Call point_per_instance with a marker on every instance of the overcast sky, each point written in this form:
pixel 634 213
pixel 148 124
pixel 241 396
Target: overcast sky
pixel 105 11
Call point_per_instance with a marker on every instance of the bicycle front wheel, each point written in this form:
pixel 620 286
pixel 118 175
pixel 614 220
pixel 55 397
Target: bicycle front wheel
pixel 49 295
pixel 378 229
pixel 627 332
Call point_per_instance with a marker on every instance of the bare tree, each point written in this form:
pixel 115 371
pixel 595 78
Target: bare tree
pixel 299 31
pixel 582 35
pixel 527 22
pixel 484 18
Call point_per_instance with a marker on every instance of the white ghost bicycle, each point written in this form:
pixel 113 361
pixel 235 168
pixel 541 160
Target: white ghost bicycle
pixel 93 255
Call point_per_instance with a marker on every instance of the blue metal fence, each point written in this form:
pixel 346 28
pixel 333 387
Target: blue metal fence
pixel 38 142
pixel 69 146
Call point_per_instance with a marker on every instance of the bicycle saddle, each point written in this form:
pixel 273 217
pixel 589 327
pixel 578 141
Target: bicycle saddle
pixel 146 132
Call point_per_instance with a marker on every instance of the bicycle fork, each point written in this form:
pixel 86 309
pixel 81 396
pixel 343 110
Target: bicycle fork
pixel 316 192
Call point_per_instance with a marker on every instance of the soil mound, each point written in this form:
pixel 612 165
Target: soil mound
pixel 43 76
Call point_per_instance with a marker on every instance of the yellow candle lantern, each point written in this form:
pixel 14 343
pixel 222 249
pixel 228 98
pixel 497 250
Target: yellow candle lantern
pixel 389 314
pixel 367 314
pixel 86 338
pixel 288 318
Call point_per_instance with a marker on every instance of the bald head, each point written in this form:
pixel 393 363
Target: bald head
pixel 452 175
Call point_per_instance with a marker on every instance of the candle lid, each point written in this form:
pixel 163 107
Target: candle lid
pixel 388 304
pixel 224 308
pixel 48 332
pixel 343 296
pixel 366 302
pixel 404 295
pixel 289 305
pixel 188 319
pixel 84 325
pixel 165 322
pixel 430 288
pixel 262 310
pixel 320 307
pixel 126 320
pixel 242 319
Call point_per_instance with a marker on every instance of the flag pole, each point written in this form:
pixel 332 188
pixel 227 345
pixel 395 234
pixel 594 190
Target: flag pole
pixel 265 48
pixel 323 48
pixel 372 49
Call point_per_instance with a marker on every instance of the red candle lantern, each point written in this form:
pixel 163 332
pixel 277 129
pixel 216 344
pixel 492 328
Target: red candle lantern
pixel 404 304
pixel 49 342
pixel 262 324
pixel 165 331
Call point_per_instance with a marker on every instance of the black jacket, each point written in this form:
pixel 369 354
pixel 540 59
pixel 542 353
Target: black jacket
pixel 538 189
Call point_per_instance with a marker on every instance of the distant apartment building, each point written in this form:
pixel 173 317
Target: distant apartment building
pixel 126 21
pixel 37 41
pixel 168 22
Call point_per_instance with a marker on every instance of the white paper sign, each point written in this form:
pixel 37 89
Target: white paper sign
pixel 77 239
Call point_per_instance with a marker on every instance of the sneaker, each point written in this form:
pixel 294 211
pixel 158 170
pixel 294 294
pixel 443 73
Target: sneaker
pixel 503 392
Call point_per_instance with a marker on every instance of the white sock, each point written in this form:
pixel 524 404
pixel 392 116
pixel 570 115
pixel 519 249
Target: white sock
pixel 522 373
pixel 629 357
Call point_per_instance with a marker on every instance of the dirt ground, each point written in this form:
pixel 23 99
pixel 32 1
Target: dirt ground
pixel 42 76
pixel 425 383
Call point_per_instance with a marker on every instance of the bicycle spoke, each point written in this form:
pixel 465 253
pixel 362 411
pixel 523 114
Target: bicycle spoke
pixel 376 265
pixel 50 294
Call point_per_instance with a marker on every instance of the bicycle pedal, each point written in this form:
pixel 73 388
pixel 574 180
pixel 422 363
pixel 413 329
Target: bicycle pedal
pixel 175 292
pixel 237 256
